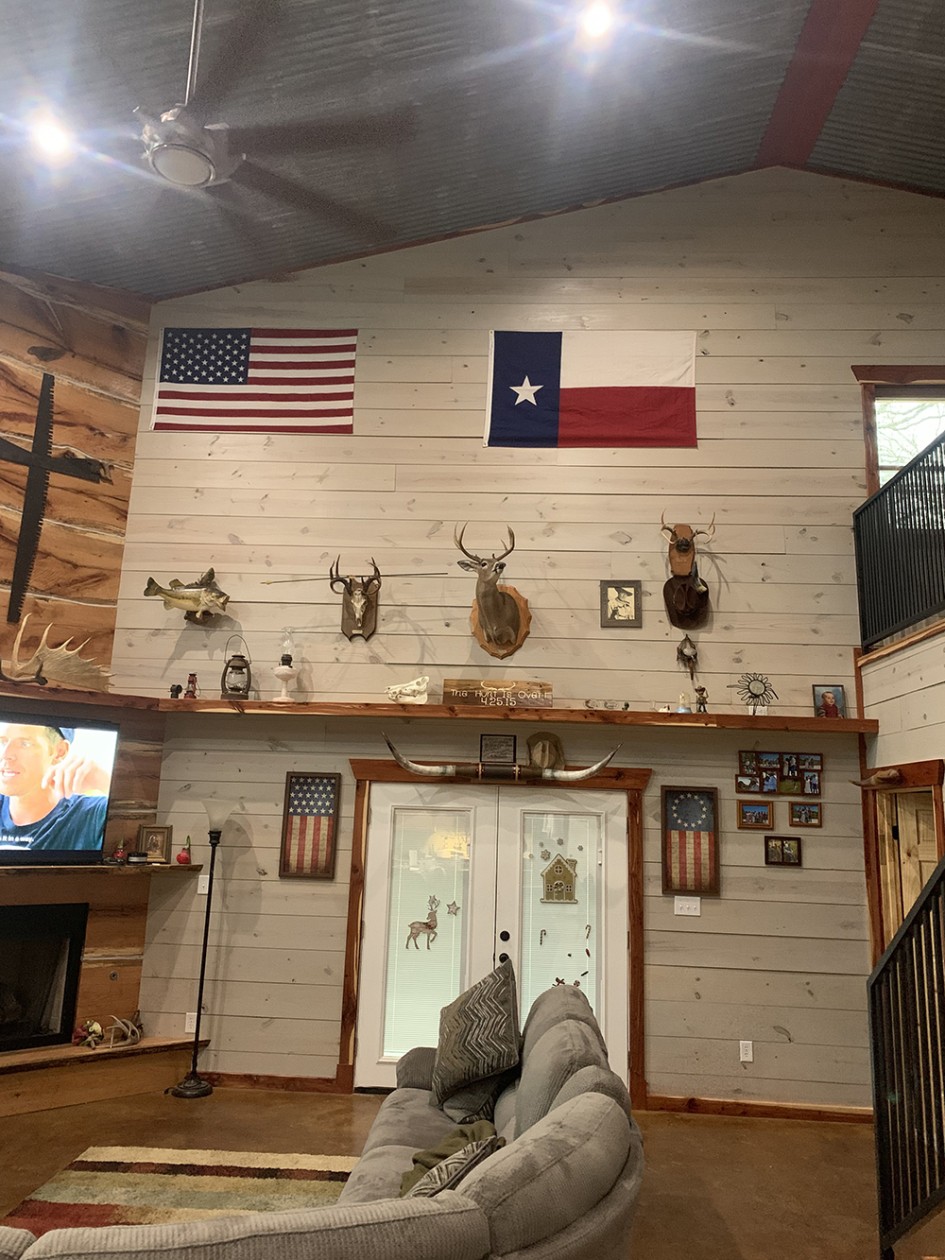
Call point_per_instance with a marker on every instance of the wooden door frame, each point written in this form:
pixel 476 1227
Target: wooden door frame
pixel 368 771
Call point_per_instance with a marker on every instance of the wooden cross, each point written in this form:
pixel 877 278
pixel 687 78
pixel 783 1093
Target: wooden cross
pixel 40 462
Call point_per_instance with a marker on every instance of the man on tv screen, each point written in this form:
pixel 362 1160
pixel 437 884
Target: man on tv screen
pixel 50 798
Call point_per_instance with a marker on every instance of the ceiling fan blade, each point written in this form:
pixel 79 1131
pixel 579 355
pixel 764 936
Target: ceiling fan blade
pixel 238 49
pixel 310 202
pixel 317 134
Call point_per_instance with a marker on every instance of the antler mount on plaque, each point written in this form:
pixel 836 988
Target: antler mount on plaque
pixel 500 618
pixel 685 594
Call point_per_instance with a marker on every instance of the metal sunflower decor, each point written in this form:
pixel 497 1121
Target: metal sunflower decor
pixel 755 690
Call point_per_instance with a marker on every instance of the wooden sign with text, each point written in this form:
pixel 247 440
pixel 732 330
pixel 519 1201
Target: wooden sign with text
pixel 498 693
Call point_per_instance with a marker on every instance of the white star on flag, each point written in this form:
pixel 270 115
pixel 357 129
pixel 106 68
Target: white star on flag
pixel 526 392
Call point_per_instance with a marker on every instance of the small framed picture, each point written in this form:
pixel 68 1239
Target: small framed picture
pixel 806 813
pixel 755 815
pixel 810 782
pixel 155 842
pixel 747 763
pixel 309 825
pixel 782 851
pixel 497 750
pixel 829 700
pixel 748 783
pixel 621 605
pixel 810 761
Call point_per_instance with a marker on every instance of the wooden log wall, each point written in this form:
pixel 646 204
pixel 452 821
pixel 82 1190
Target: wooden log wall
pixel 787 279
pixel 92 341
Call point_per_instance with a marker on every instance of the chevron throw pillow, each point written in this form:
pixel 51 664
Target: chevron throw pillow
pixel 449 1172
pixel 479 1034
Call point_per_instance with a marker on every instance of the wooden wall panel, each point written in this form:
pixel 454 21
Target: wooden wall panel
pixel 779 315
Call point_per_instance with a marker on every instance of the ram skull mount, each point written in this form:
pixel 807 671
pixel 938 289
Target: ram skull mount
pixel 358 600
pixel 500 617
pixel 685 594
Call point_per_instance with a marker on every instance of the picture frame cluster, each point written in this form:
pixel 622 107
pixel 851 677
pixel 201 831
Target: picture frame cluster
pixel 779 774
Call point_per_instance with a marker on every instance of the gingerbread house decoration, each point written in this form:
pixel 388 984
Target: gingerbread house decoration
pixel 558 880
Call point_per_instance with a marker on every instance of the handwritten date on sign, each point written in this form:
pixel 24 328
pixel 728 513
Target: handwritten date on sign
pixel 499 693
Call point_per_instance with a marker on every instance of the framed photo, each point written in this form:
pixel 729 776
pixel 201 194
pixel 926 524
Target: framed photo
pixel 783 851
pixel 806 814
pixel 778 774
pixel 810 782
pixel 690 840
pixel 155 842
pixel 621 605
pixel 755 815
pixel 310 825
pixel 829 700
pixel 497 750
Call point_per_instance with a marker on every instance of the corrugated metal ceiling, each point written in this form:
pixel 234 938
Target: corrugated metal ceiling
pixel 471 114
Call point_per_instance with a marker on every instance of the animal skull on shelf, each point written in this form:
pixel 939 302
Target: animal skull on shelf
pixel 685 594
pixel 500 617
pixel 359 600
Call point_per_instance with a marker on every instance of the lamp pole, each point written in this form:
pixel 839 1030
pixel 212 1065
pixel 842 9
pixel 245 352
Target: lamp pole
pixel 193 1085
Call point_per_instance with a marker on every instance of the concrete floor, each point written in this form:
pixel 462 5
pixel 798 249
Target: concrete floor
pixel 715 1188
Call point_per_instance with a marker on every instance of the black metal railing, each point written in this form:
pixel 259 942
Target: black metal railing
pixel 907 1025
pixel 900 548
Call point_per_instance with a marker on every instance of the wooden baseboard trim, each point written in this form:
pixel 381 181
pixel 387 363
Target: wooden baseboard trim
pixel 759 1110
pixel 288 1084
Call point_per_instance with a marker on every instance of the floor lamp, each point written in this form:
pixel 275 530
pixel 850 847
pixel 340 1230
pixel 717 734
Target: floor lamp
pixel 193 1085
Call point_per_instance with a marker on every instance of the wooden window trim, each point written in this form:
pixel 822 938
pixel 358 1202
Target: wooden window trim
pixel 871 375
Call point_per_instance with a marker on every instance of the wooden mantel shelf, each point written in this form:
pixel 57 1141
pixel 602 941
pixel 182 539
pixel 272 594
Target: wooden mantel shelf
pixel 121 870
pixel 468 713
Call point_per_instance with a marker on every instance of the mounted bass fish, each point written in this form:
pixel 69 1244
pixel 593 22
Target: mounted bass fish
pixel 477 772
pixel 198 600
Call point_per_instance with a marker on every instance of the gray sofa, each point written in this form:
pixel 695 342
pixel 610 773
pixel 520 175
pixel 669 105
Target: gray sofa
pixel 564 1186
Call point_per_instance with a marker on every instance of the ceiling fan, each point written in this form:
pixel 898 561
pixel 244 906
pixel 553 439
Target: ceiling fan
pixel 190 153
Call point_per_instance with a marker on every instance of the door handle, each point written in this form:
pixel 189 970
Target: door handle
pixel 503 958
pixel 504 936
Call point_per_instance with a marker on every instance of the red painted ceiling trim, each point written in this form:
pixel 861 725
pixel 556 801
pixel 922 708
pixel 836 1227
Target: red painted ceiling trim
pixel 826 47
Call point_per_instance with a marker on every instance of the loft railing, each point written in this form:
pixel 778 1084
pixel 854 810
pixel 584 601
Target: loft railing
pixel 907 1026
pixel 900 548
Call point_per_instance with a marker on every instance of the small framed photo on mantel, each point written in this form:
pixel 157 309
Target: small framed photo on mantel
pixel 621 604
pixel 497 750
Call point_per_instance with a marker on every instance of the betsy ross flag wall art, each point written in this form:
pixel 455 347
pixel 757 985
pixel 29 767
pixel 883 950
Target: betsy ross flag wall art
pixel 309 825
pixel 690 841
pixel 256 380
pixel 591 389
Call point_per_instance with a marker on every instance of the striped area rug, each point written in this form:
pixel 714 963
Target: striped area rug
pixel 142 1185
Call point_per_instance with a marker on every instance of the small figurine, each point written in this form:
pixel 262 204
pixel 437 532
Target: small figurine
pixel 120 854
pixel 89 1033
pixel 176 689
pixel 191 692
pixel 701 697
pixel 183 857
pixel 684 705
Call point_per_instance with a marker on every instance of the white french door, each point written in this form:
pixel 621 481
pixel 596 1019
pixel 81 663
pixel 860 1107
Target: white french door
pixel 458 878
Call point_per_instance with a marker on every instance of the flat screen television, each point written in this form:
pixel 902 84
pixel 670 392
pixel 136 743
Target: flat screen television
pixel 55 782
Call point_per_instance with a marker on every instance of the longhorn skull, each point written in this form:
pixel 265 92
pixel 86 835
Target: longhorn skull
pixel 359 600
pixel 685 594
pixel 477 772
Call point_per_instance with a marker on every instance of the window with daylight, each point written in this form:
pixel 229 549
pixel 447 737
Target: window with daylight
pixel 903 411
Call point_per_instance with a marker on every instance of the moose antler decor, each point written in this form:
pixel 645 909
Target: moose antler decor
pixel 685 594
pixel 359 600
pixel 500 618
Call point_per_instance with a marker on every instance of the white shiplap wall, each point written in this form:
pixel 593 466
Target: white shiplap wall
pixel 905 692
pixel 787 280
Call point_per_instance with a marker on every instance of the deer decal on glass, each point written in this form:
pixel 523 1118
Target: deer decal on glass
pixel 425 927
pixel 500 617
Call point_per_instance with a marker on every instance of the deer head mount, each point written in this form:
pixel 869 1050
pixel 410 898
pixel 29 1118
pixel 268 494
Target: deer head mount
pixel 685 594
pixel 500 618
pixel 358 602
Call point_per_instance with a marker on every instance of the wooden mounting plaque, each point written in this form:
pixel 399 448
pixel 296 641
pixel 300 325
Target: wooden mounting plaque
pixel 500 651
pixel 498 693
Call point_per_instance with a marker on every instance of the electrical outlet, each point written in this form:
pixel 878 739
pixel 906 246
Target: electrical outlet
pixel 688 905
pixel 190 1022
pixel 203 883
pixel 746 1052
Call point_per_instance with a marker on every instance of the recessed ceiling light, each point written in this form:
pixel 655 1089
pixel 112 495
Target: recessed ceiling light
pixel 597 19
pixel 51 140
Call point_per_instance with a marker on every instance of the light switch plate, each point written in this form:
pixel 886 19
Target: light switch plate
pixel 688 905
pixel 203 883
pixel 190 1022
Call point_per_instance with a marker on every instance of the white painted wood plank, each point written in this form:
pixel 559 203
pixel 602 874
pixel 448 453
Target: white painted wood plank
pixel 763 1024
pixel 776 1089
pixel 705 1056
pixel 832 957
pixel 813 991
pixel 720 916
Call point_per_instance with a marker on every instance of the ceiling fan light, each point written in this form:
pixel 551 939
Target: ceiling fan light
pixel 182 165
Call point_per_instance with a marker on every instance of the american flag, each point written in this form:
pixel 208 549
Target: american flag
pixel 308 842
pixel 256 380
pixel 690 856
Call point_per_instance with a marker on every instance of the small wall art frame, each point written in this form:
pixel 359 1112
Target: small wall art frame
pixel 783 851
pixel 755 815
pixel 310 825
pixel 621 604
pixel 778 773
pixel 806 813
pixel 690 840
pixel 497 750
pixel 829 700
pixel 155 842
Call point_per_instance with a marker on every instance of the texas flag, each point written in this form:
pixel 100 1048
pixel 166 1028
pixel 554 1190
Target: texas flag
pixel 591 389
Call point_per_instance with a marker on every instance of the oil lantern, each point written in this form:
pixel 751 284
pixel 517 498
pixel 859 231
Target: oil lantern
pixel 237 675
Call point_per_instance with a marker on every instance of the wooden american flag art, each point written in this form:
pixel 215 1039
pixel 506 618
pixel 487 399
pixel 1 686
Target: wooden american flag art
pixel 690 841
pixel 309 825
